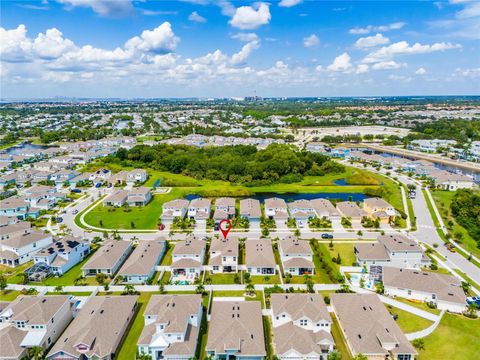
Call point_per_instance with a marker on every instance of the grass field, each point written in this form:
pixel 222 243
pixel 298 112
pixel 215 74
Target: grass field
pixel 443 199
pixel 128 349
pixel 9 295
pixel 456 338
pixel 419 305
pixel 146 218
pixel 407 321
pixel 13 274
pixel 340 344
pixel 220 279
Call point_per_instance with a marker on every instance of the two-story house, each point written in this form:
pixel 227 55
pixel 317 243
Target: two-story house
pixel 224 255
pixel 172 324
pixel 97 330
pixel 63 254
pixel 187 260
pixel 296 256
pixel 301 326
pixel 276 208
pixel 137 176
pixel 19 242
pixel 31 321
pixel 174 209
pixel 396 250
pixel 199 209
pixel 377 208
pixel 224 209
pixel 301 211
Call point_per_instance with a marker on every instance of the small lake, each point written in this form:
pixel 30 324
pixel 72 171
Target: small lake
pixel 15 150
pixel 289 197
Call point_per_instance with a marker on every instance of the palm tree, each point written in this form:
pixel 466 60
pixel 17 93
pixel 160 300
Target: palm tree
pixel 129 290
pixel 59 289
pixel 472 310
pixel 250 289
pixel 36 353
pixel 334 355
pixel 200 289
pixel 143 356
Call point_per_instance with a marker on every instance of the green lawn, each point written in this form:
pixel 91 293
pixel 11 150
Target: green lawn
pixel 456 338
pixel 340 344
pixel 221 278
pixel 167 258
pixel 344 250
pixel 265 279
pixel 166 277
pixel 128 348
pixel 12 274
pixel 407 321
pixel 9 295
pixel 146 218
pixel 443 199
pixel 69 277
pixel 267 333
pixel 419 305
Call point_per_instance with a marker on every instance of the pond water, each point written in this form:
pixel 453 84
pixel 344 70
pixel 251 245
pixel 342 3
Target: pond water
pixel 289 197
pixel 17 149
pixel 341 182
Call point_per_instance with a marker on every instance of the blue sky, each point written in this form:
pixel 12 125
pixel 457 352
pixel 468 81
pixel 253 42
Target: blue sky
pixel 207 48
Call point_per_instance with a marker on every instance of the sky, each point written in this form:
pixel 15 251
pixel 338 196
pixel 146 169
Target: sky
pixel 220 48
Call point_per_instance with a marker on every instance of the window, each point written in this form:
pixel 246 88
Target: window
pixel 303 322
pixel 404 357
pixel 215 267
pixel 409 292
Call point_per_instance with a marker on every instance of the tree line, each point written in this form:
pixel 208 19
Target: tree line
pixel 238 164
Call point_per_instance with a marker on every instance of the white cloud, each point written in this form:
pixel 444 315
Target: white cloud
pixel 371 41
pixel 341 63
pixel 195 17
pixel 372 28
pixel 52 45
pixel 420 71
pixel 159 40
pixel 471 8
pixel 289 3
pixel 361 69
pixel 14 44
pixel 469 73
pixel 102 7
pixel 403 48
pixel 245 37
pixel 248 18
pixel 245 52
pixel 400 78
pixel 311 41
pixel 387 65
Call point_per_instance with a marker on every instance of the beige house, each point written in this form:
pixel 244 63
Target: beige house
pixel 296 256
pixel 259 258
pixel 172 324
pixel 351 210
pixel 140 265
pixel 224 255
pixel 31 321
pixel 369 329
pixel 301 326
pixel 377 208
pixel 108 259
pixel 236 331
pixel 97 330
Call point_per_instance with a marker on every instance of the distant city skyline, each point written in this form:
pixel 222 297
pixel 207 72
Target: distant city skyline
pixel 216 49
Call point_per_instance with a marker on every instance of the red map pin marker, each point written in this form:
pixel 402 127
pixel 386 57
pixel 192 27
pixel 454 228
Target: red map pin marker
pixel 225 230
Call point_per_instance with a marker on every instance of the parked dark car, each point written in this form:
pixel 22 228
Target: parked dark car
pixel 216 227
pixel 59 219
pixel 76 191
pixel 161 227
pixel 474 300
pixel 327 236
